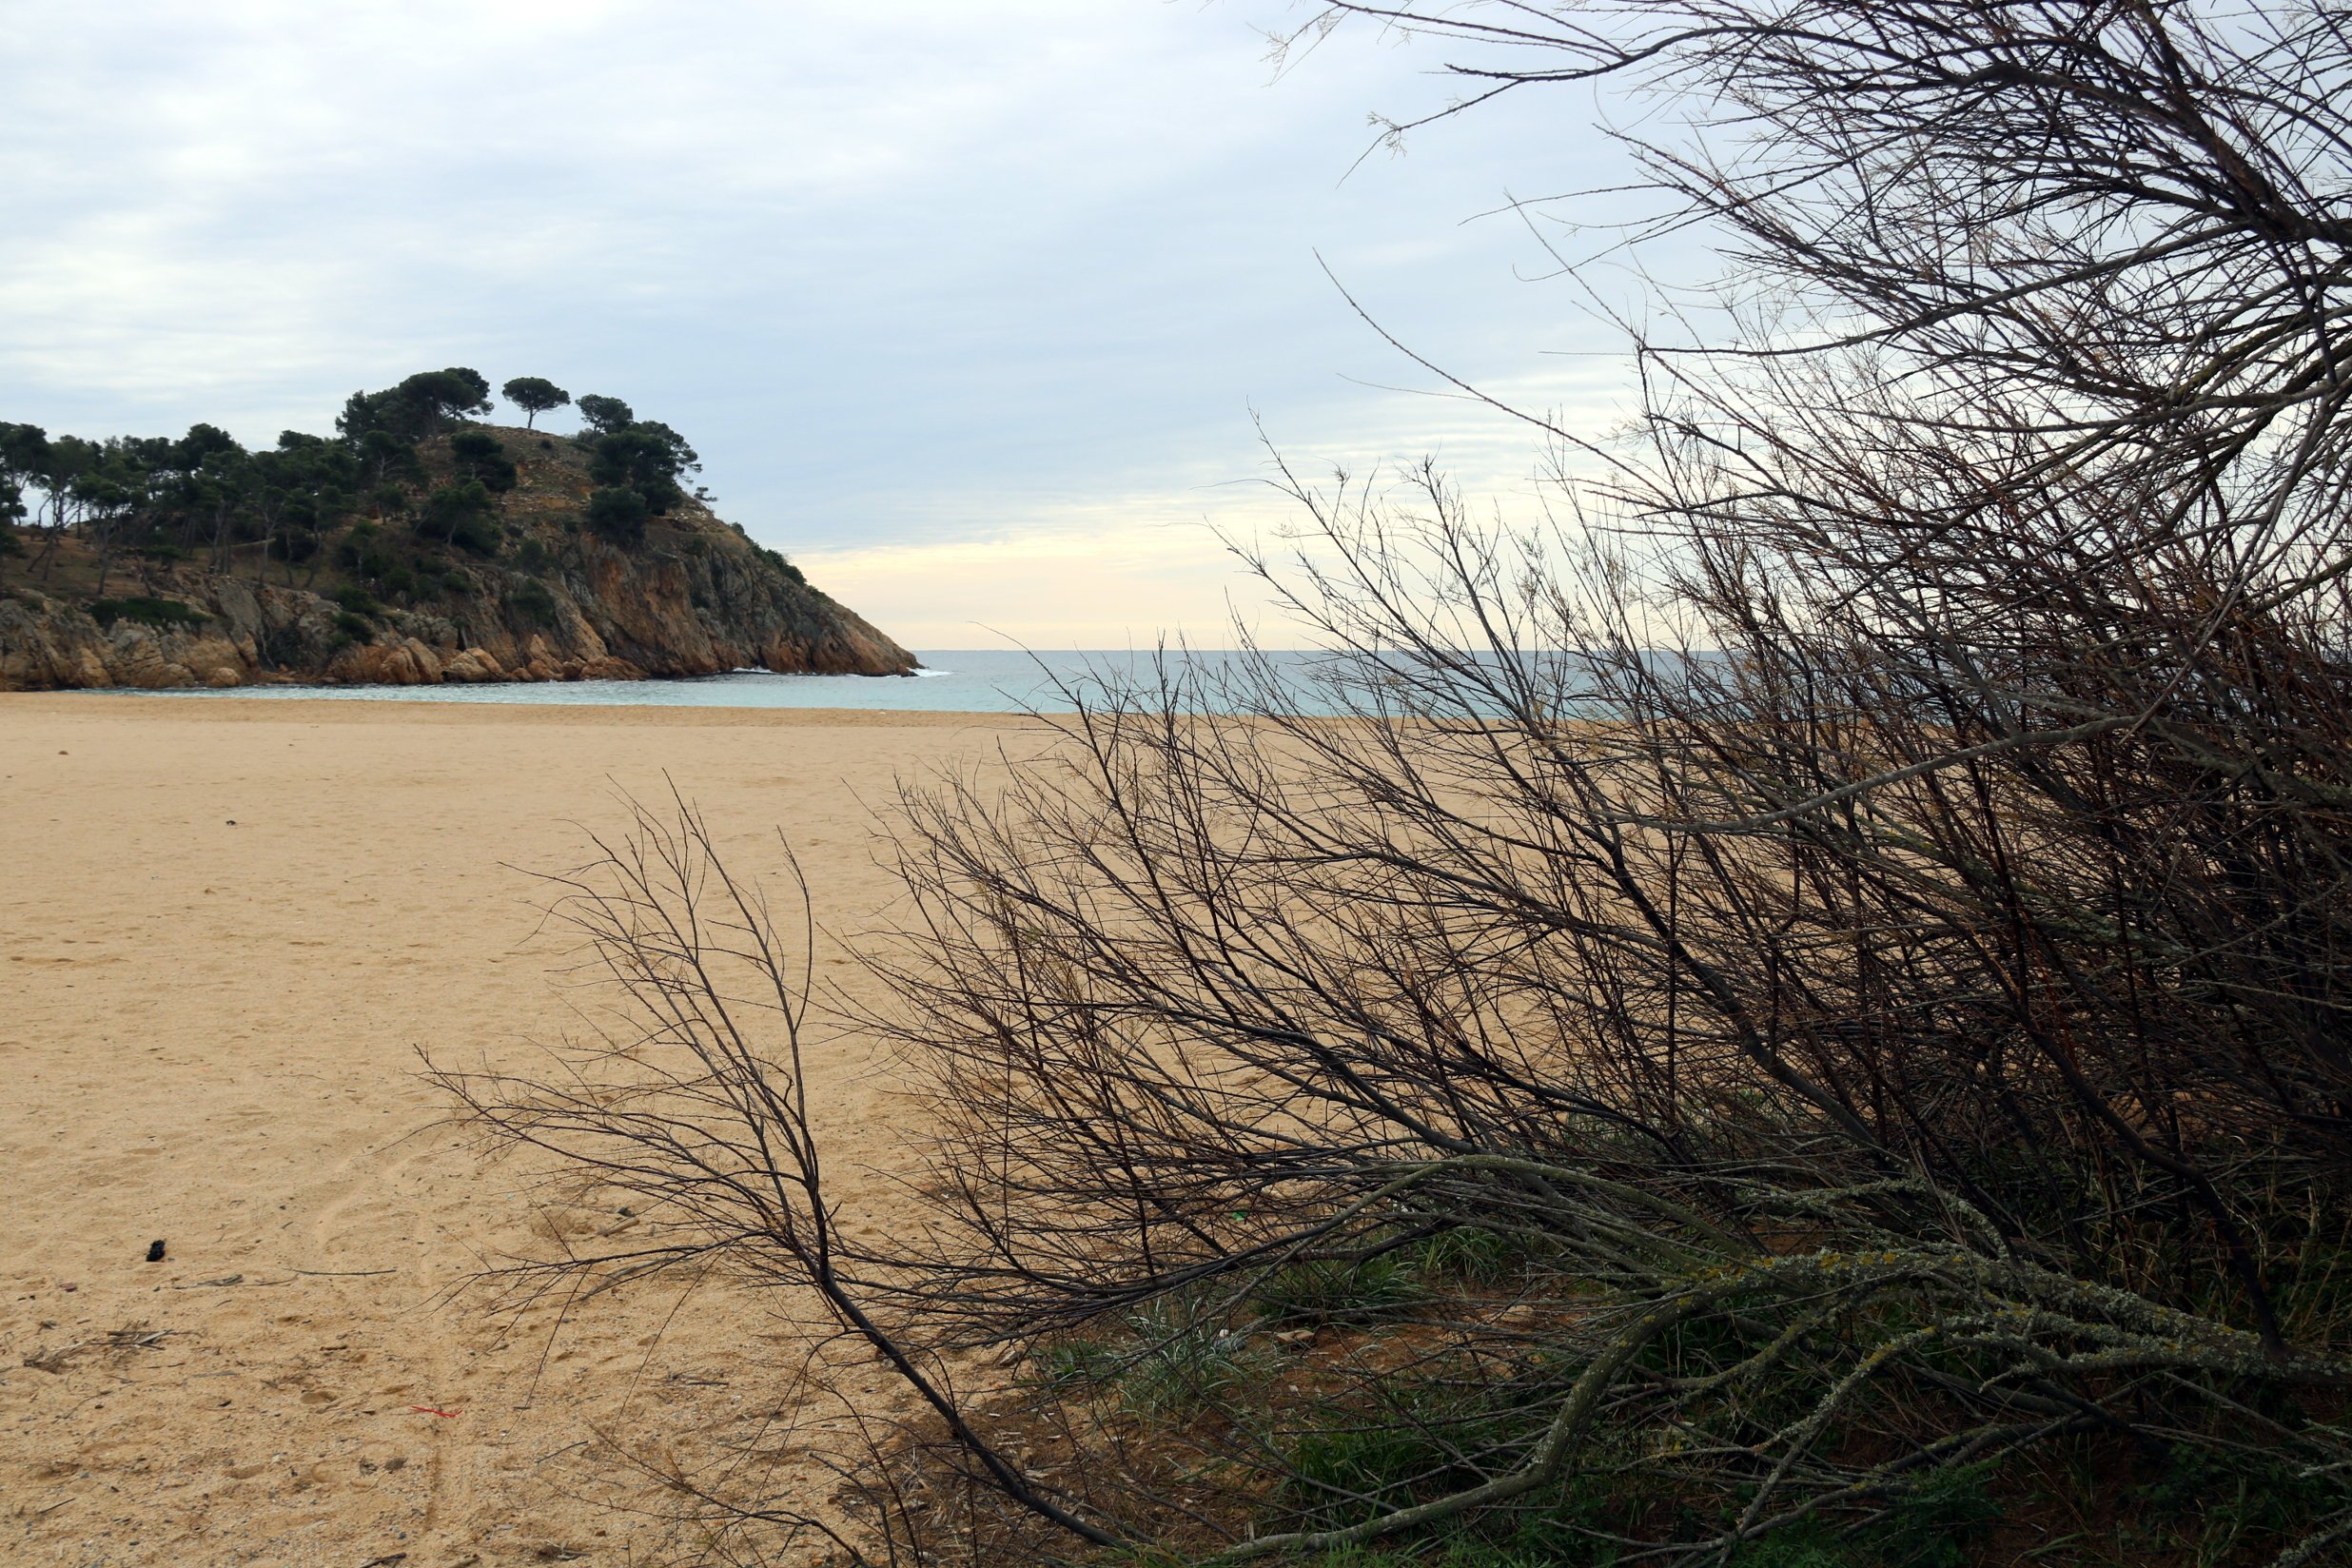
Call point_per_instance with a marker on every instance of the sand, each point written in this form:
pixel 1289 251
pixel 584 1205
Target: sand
pixel 229 926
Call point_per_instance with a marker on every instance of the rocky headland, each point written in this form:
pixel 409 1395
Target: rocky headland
pixel 528 589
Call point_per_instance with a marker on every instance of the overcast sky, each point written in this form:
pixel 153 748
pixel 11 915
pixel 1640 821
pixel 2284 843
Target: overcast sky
pixel 967 306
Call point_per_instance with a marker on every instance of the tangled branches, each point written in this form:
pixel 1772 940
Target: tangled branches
pixel 1791 1009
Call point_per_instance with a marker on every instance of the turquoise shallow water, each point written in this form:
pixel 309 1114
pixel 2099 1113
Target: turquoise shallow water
pixel 953 680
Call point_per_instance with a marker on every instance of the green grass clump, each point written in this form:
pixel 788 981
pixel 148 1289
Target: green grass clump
pixel 1073 1362
pixel 1180 1362
pixel 1418 1437
pixel 1468 1255
pixel 1335 1291
pixel 2227 1507
pixel 1461 1554
pixel 1351 1474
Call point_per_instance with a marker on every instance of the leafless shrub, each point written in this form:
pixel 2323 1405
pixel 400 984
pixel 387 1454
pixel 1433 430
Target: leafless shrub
pixel 690 1097
pixel 1812 986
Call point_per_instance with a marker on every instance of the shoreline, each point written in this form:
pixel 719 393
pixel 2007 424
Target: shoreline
pixel 350 710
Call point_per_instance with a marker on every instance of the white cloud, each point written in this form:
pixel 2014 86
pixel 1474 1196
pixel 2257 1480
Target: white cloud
pixel 918 278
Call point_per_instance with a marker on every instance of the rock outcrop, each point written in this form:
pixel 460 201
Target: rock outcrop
pixel 555 602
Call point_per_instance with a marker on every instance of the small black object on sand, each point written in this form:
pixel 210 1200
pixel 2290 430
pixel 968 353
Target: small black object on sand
pixel 155 1252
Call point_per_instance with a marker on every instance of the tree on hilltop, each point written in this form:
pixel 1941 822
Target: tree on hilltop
pixel 605 415
pixel 426 403
pixel 202 442
pixel 534 395
pixel 449 395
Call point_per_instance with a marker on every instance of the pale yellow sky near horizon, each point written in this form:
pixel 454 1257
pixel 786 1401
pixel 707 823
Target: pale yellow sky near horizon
pixel 1127 570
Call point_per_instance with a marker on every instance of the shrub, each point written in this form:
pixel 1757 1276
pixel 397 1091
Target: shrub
pixel 356 601
pixel 781 564
pixel 618 514
pixel 481 457
pixel 162 614
pixel 477 537
pixel 530 599
pixel 1858 890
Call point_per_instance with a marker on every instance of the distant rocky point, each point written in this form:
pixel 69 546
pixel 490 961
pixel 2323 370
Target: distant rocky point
pixel 412 548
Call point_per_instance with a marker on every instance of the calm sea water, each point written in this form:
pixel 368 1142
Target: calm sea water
pixel 952 680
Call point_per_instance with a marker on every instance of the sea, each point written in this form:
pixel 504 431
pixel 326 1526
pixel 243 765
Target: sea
pixel 992 681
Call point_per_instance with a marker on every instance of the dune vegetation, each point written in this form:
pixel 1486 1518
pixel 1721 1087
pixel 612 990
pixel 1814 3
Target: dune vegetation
pixel 1796 1020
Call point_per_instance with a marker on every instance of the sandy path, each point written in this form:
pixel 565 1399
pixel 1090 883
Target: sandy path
pixel 207 1036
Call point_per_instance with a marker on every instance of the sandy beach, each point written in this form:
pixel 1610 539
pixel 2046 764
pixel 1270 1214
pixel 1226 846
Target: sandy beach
pixel 230 926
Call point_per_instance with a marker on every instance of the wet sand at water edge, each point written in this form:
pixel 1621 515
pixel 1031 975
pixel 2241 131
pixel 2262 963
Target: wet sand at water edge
pixel 208 1035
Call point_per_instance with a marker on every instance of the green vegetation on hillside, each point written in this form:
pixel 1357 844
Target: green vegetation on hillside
pixel 395 504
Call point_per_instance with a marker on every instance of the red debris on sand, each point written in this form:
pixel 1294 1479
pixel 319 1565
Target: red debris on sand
pixel 428 1410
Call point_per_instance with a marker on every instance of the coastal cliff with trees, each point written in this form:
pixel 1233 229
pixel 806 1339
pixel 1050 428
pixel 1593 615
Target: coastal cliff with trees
pixel 415 546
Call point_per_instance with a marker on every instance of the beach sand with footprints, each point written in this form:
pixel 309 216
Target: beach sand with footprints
pixel 231 928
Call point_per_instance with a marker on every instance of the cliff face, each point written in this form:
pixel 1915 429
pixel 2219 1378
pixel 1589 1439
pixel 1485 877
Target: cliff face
pixel 553 602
